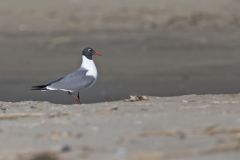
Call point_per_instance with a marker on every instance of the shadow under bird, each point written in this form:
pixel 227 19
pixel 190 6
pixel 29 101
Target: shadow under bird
pixel 83 77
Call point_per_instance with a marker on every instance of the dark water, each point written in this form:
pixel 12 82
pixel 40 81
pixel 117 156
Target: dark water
pixel 157 63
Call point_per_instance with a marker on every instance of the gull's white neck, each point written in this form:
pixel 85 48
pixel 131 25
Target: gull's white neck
pixel 90 66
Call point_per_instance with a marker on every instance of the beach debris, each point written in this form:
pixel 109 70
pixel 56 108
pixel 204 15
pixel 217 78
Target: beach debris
pixel 33 107
pixel 135 98
pixel 114 108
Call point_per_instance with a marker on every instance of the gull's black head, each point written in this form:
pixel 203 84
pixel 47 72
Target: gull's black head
pixel 89 52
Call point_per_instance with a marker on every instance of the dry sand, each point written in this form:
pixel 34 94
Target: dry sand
pixel 186 127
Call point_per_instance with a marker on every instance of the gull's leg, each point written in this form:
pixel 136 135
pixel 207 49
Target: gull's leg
pixel 76 98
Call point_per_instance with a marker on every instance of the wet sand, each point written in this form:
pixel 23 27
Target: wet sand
pixel 158 48
pixel 158 64
pixel 186 127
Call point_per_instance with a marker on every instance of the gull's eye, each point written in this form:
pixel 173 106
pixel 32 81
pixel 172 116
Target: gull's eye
pixel 90 50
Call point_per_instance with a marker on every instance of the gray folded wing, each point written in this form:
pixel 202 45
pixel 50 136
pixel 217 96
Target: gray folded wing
pixel 73 81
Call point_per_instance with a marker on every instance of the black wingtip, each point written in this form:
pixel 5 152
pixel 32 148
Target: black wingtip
pixel 40 87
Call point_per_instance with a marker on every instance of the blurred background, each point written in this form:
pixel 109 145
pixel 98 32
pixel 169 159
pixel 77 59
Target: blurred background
pixel 153 47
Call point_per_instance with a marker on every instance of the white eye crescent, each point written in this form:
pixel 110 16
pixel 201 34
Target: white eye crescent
pixel 90 50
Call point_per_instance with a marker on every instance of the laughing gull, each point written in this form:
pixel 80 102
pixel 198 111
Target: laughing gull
pixel 83 77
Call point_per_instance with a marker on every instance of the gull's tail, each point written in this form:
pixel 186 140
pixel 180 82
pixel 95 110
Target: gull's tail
pixel 40 87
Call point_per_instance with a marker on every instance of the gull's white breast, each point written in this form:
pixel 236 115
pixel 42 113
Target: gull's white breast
pixel 90 66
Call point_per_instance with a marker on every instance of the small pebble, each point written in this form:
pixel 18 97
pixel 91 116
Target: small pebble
pixel 114 109
pixel 32 107
pixel 66 148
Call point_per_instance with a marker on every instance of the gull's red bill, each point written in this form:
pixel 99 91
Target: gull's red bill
pixel 98 53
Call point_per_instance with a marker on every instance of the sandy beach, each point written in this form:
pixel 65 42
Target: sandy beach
pixel 183 55
pixel 186 127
